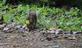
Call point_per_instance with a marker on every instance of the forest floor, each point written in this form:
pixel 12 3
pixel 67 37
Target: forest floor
pixel 17 36
pixel 37 39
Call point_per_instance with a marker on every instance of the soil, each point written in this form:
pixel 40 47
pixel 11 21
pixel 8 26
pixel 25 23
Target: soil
pixel 37 39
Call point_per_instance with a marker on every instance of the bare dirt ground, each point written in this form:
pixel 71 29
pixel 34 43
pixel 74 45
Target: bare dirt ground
pixel 37 40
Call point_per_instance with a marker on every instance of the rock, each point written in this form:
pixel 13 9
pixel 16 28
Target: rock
pixel 23 35
pixel 42 39
pixel 49 38
pixel 14 27
pixel 78 33
pixel 72 38
pixel 59 31
pixel 8 30
pixel 18 26
pixel 51 31
pixel 69 37
pixel 56 36
pixel 56 31
pixel 9 27
pixel 5 29
pixel 22 30
pixel 65 36
pixel 74 33
pixel 25 28
pixel 43 31
pixel 2 26
pixel 66 32
pixel 56 46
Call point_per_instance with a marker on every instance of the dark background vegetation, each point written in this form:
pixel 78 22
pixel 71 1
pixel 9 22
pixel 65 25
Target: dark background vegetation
pixel 47 2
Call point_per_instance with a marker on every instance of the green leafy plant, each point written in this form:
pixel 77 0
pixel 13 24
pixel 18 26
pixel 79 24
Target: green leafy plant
pixel 46 17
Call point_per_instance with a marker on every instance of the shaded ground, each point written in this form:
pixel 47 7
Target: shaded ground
pixel 37 40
